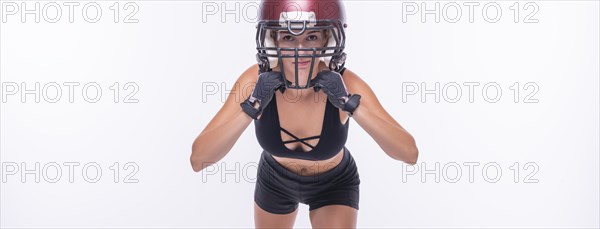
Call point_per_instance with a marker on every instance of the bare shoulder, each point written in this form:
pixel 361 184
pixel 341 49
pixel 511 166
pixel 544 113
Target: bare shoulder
pixel 369 101
pixel 245 83
pixel 356 85
pixel 240 90
pixel 250 74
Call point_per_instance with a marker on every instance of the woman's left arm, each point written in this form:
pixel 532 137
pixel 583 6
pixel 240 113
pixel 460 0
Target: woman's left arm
pixel 395 141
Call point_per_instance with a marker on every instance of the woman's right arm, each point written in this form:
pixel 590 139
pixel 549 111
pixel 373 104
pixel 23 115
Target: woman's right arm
pixel 221 133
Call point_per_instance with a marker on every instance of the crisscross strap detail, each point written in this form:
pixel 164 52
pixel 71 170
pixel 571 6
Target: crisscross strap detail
pixel 299 139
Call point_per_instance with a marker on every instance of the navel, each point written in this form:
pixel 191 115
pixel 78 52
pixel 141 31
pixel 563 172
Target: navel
pixel 303 170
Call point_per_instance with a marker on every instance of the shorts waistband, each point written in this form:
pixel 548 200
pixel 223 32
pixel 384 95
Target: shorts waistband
pixel 346 160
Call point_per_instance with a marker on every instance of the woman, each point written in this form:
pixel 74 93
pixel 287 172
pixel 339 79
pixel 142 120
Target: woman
pixel 301 101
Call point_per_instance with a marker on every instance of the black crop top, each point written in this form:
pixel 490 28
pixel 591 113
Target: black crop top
pixel 332 139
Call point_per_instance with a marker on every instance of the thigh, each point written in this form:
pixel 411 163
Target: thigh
pixel 340 189
pixel 275 198
pixel 333 216
pixel 273 192
pixel 265 219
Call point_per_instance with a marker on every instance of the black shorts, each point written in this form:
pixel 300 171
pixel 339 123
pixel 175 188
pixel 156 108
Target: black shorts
pixel 279 190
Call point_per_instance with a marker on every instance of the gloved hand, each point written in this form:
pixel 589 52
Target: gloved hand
pixel 266 85
pixel 332 84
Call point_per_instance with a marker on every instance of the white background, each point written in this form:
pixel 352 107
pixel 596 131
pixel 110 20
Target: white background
pixel 171 52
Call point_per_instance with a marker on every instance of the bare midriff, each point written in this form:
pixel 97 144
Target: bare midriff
pixel 308 167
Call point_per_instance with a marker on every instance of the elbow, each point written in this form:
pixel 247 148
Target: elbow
pixel 197 161
pixel 413 153
pixel 196 166
pixel 200 158
pixel 199 164
pixel 193 159
pixel 408 155
pixel 413 156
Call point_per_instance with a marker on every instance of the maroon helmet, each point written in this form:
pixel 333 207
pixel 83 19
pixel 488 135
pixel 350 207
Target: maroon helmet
pixel 298 17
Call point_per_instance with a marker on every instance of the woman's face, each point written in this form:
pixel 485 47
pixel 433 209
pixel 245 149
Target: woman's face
pixel 309 39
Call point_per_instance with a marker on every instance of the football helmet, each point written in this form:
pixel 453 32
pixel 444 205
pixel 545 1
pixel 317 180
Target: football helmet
pixel 297 18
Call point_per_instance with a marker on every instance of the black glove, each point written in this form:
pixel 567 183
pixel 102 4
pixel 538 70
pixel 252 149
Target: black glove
pixel 332 84
pixel 266 85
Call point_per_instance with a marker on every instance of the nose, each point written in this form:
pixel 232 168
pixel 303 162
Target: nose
pixel 304 49
pixel 301 54
pixel 301 50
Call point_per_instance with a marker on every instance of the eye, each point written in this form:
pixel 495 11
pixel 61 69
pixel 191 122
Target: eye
pixel 287 38
pixel 312 37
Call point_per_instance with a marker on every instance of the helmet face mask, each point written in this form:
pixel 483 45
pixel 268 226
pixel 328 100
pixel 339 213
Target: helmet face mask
pixel 297 23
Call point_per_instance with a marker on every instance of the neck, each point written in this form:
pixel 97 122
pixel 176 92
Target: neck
pixel 299 94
